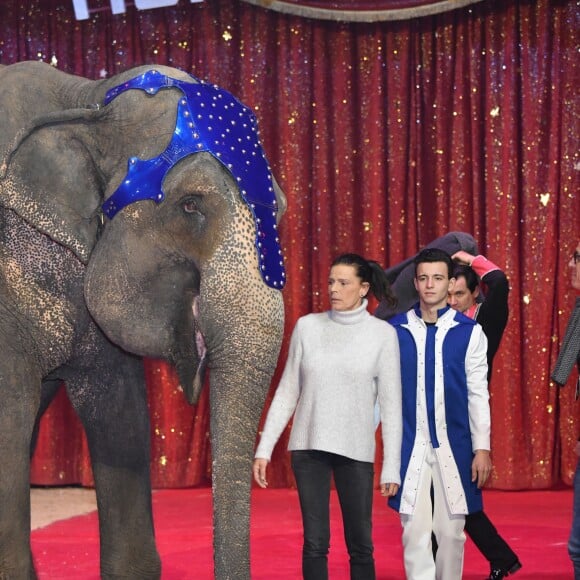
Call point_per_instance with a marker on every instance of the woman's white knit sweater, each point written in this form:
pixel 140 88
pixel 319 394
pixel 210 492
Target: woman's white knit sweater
pixel 338 364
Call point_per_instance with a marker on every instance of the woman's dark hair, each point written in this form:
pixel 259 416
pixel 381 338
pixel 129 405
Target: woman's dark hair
pixel 471 278
pixel 371 272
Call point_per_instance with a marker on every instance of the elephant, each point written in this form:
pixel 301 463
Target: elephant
pixel 138 218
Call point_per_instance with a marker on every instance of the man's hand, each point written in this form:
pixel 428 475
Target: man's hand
pixel 462 257
pixel 481 467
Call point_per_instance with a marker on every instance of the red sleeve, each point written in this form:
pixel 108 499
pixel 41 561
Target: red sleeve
pixel 483 266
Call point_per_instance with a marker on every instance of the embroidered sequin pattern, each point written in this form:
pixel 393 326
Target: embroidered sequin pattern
pixel 209 119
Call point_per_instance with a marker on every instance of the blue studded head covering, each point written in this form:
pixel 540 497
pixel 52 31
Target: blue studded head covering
pixel 212 120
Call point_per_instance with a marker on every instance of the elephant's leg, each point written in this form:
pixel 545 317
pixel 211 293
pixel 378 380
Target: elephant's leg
pixel 47 394
pixel 19 394
pixel 111 402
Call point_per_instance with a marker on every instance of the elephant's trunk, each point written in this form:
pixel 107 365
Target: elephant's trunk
pixel 232 440
pixel 241 369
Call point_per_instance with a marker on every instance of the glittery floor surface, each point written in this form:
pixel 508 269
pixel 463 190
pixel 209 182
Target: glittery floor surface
pixel 535 523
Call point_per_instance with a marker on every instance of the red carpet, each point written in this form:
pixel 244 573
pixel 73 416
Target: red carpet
pixel 535 523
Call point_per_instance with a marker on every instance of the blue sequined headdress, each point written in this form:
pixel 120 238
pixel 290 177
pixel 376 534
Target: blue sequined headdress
pixel 212 120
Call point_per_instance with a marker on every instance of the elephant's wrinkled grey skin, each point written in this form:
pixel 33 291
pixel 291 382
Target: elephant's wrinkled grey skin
pixel 82 299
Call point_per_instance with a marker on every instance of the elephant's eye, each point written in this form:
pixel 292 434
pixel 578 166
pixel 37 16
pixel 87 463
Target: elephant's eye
pixel 191 204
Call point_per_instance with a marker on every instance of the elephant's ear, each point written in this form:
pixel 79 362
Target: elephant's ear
pixel 49 177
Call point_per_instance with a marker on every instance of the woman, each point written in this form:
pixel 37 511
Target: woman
pixel 339 364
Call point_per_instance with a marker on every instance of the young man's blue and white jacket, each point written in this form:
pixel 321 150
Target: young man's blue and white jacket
pixel 445 404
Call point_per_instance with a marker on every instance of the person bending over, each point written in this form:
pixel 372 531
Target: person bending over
pixel 492 313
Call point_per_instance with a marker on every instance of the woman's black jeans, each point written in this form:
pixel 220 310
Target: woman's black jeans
pixel 354 485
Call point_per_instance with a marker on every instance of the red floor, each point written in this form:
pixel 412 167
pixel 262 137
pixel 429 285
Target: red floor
pixel 536 524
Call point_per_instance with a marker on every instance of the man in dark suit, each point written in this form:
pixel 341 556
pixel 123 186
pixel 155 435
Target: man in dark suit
pixel 569 358
pixel 492 313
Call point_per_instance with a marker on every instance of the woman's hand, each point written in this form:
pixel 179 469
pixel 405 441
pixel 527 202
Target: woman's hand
pixel 259 471
pixel 389 489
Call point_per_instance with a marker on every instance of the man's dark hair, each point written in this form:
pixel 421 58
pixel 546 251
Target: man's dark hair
pixel 471 278
pixel 434 255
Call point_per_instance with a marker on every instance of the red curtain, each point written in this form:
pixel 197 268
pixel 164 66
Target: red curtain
pixel 384 136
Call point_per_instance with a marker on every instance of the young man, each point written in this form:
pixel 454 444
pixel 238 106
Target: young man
pixel 492 314
pixel 446 422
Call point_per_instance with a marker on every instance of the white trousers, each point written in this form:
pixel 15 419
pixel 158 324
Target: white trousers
pixel 433 517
